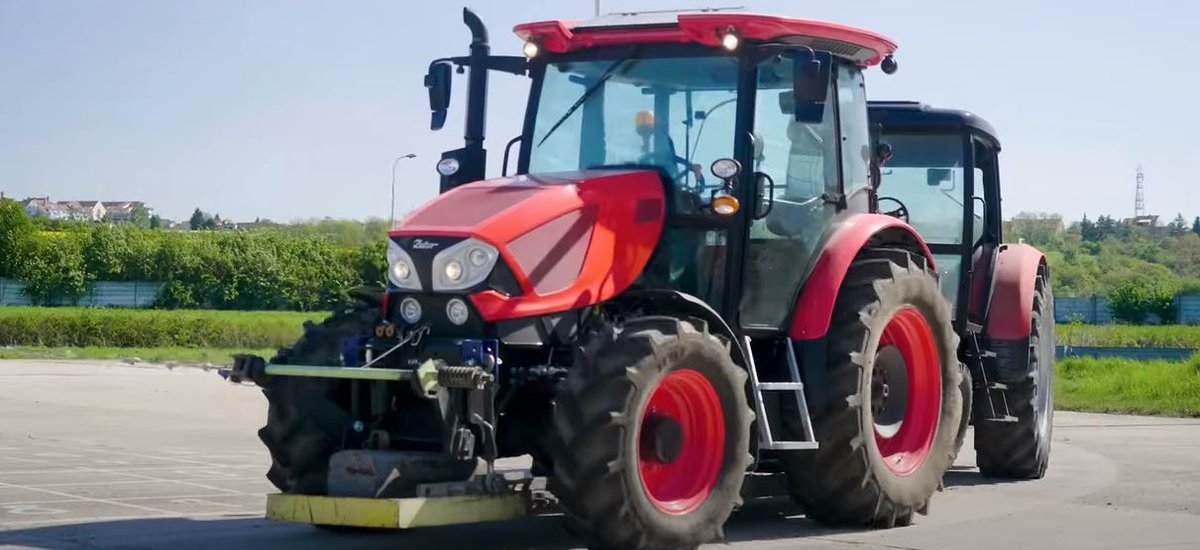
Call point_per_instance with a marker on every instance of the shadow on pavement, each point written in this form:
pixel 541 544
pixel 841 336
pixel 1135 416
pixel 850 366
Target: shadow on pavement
pixel 759 521
pixel 970 477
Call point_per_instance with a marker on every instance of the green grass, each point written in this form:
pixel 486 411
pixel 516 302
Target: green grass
pixel 1128 386
pixel 151 355
pixel 143 328
pixel 1148 336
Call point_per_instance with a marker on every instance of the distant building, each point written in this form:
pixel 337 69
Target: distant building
pixel 1142 221
pixel 122 211
pixel 117 211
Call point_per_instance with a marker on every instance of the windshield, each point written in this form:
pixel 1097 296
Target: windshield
pixel 672 113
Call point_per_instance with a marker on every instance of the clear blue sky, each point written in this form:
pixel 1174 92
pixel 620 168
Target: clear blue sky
pixel 291 109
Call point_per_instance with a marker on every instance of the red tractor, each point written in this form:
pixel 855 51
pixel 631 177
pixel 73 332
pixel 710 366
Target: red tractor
pixel 687 278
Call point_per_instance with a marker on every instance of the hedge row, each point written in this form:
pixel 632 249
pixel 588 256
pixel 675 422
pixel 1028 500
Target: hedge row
pixel 239 270
pixel 125 328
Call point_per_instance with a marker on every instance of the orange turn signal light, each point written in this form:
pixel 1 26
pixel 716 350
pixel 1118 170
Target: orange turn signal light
pixel 725 205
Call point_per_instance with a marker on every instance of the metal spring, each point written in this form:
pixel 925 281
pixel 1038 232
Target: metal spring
pixel 463 377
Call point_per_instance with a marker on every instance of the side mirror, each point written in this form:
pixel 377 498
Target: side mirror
pixel 935 177
pixel 810 84
pixel 438 82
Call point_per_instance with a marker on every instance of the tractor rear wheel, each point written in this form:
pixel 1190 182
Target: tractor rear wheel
pixel 300 448
pixel 1021 449
pixel 887 430
pixel 651 437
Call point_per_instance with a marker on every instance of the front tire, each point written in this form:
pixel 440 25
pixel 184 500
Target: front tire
pixel 651 437
pixel 300 447
pixel 887 433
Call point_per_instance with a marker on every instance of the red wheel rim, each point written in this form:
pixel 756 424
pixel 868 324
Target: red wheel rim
pixel 905 449
pixel 687 400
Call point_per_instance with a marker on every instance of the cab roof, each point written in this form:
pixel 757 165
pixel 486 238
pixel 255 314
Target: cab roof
pixel 917 116
pixel 707 27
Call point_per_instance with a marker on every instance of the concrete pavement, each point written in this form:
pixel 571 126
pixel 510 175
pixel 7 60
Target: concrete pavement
pixel 106 455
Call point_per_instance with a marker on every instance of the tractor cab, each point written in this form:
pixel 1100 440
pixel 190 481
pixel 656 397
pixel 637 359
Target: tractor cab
pixel 943 178
pixel 756 125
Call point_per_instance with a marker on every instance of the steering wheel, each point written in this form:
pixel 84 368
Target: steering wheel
pixel 689 168
pixel 901 211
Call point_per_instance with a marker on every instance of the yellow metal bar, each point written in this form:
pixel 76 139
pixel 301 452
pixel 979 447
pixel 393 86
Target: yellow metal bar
pixel 403 513
pixel 357 373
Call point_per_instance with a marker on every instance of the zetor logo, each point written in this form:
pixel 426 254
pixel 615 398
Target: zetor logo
pixel 419 244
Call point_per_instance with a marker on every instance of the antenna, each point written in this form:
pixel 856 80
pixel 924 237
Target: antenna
pixel 1139 201
pixel 597 8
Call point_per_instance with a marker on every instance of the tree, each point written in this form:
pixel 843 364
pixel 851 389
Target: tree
pixel 1178 226
pixel 1087 230
pixel 1196 225
pixel 197 220
pixel 139 215
pixel 155 222
pixel 17 234
pixel 1106 227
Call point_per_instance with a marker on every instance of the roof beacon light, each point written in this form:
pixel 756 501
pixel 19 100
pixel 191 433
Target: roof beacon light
pixel 531 49
pixel 730 40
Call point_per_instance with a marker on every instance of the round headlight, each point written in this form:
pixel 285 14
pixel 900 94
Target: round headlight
pixel 456 311
pixel 730 41
pixel 478 257
pixel 453 270
pixel 447 167
pixel 726 168
pixel 530 49
pixel 410 310
pixel 401 271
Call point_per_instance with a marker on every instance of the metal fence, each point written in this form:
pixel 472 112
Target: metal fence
pixel 100 294
pixel 1094 310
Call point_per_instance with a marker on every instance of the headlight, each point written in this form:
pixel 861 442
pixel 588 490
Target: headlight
pixel 456 311
pixel 410 310
pixel 400 268
pixel 726 168
pixel 447 167
pixel 463 265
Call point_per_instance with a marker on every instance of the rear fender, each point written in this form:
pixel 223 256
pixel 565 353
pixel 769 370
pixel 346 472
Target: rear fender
pixel 1010 309
pixel 846 239
pixel 1010 306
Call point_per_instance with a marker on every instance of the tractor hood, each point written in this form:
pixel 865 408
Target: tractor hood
pixel 570 239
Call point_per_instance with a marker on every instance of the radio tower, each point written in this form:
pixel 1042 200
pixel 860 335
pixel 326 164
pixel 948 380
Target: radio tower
pixel 1139 202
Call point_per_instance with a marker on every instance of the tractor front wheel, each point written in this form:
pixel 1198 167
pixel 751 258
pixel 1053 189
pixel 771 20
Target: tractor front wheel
pixel 651 437
pixel 888 430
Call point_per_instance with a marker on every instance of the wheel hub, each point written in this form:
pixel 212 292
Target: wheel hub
pixel 681 442
pixel 661 438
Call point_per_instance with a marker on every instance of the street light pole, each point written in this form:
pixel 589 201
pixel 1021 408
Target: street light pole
pixel 392 213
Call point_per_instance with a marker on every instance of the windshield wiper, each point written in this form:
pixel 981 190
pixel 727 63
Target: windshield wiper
pixel 612 69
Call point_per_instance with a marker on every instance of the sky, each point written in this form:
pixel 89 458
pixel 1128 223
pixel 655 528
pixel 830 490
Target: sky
pixel 295 109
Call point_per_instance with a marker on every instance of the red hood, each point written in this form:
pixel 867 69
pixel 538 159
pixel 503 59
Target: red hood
pixel 571 239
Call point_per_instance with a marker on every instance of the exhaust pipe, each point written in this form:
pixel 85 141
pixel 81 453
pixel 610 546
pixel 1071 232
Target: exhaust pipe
pixel 474 153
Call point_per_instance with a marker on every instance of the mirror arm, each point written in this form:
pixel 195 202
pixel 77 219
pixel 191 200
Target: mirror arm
pixel 507 149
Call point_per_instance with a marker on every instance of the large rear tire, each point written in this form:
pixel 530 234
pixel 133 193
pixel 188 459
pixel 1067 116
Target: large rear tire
pixel 1021 449
pixel 887 431
pixel 651 437
pixel 300 447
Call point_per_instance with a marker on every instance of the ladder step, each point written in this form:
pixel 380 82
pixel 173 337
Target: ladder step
pixel 997 386
pixel 1009 419
pixel 790 446
pixel 780 386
